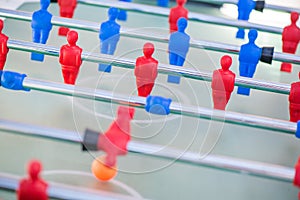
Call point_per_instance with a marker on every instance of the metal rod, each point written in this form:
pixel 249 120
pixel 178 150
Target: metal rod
pixel 267 5
pixel 175 108
pixel 165 69
pixel 258 169
pixel 154 10
pixel 62 191
pixel 282 8
pixel 91 26
pixel 253 168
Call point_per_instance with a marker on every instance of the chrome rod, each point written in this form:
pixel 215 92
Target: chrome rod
pixel 267 5
pixel 63 191
pixel 165 69
pixel 282 8
pixel 92 26
pixel 175 108
pixel 231 164
pixel 154 10
pixel 259 169
pixel 39 131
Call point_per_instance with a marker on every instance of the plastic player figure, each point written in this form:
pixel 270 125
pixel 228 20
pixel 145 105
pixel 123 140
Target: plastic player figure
pixel 294 99
pixel 290 40
pixel 179 44
pixel 109 37
pixel 33 187
pixel 163 3
pixel 123 13
pixel 66 9
pixel 245 7
pixel 41 27
pixel 146 71
pixel 3 48
pixel 249 56
pixel 70 58
pixel 176 13
pixel 222 83
pixel 114 140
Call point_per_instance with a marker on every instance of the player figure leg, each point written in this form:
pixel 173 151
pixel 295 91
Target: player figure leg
pixel 149 88
pixel 288 47
pixel 177 60
pixel 69 75
pixel 251 70
pixel 72 77
pixel 219 99
pixel 0 76
pixel 104 49
pixel 294 112
pixel 244 71
pixel 145 89
pixel 36 38
pixel 2 62
pixel 44 36
pixel 112 45
pixel 228 94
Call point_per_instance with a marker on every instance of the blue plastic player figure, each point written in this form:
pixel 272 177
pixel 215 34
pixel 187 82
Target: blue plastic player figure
pixel 249 56
pixel 109 36
pixel 123 13
pixel 179 44
pixel 163 3
pixel 41 27
pixel 244 8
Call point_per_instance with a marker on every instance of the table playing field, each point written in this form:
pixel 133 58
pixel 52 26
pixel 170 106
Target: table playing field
pixel 153 178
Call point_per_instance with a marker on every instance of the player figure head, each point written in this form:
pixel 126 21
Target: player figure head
pixel 44 4
pixel 252 35
pixel 226 62
pixel 113 13
pixel 294 17
pixel 148 49
pixel 72 37
pixel 180 2
pixel 34 169
pixel 181 24
pixel 1 25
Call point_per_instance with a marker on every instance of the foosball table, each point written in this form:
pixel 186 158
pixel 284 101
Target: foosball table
pixel 176 146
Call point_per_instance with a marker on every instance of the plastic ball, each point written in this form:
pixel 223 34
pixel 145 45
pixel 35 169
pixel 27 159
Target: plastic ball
pixel 101 171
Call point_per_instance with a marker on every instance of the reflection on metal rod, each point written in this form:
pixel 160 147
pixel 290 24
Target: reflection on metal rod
pixel 91 26
pixel 62 191
pixel 165 69
pixel 253 168
pixel 154 10
pixel 175 108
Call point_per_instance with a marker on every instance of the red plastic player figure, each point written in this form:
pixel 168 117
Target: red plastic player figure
pixel 3 47
pixel 294 99
pixel 290 40
pixel 146 71
pixel 66 9
pixel 176 13
pixel 222 83
pixel 70 58
pixel 33 187
pixel 114 141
